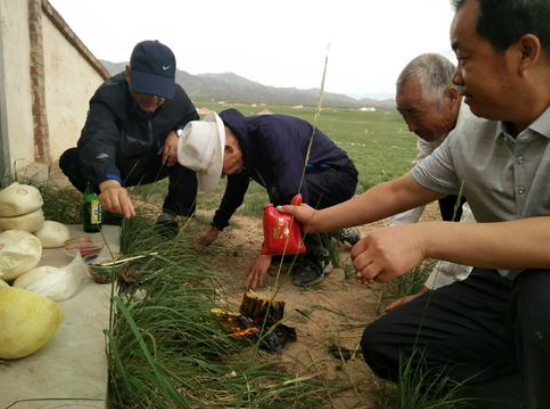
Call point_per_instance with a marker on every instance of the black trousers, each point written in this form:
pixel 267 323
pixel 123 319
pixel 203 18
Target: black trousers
pixel 487 331
pixel 327 188
pixel 447 207
pixel 182 182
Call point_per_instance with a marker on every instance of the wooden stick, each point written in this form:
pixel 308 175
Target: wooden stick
pixel 125 260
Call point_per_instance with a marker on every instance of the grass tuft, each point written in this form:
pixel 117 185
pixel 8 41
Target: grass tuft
pixel 417 388
pixel 412 282
pixel 167 350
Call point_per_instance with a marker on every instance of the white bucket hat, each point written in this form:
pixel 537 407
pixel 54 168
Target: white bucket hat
pixel 201 147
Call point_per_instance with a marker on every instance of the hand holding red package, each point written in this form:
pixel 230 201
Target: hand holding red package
pixel 282 233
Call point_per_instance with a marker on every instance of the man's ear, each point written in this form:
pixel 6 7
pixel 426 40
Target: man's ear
pixel 128 74
pixel 452 95
pixel 530 49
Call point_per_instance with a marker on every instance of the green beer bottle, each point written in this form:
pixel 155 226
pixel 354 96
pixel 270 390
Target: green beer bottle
pixel 91 211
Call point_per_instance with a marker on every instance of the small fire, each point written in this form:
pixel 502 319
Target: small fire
pixel 241 333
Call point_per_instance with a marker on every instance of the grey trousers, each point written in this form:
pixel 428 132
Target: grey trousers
pixel 489 332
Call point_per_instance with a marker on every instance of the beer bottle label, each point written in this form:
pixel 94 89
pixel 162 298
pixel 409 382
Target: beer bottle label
pixel 95 212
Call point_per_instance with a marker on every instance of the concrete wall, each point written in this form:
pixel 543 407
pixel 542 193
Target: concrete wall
pixel 4 143
pixel 70 83
pixel 47 76
pixel 16 79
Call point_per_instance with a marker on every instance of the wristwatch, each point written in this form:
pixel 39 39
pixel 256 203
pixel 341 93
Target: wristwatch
pixel 179 132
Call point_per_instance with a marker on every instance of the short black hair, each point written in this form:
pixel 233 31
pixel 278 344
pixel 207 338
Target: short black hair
pixel 503 22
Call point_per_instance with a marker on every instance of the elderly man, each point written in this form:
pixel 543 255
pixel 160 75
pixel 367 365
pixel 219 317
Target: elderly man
pixel 130 137
pixel 491 330
pixel 432 107
pixel 273 150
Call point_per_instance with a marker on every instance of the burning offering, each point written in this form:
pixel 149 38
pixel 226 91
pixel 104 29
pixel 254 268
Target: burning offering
pixel 259 320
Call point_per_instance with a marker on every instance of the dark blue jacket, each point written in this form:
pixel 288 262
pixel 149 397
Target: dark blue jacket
pixel 274 150
pixel 117 132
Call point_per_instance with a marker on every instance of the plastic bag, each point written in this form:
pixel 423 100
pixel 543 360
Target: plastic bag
pixel 56 283
pixel 282 234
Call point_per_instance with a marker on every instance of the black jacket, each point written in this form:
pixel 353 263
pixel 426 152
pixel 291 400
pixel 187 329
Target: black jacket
pixel 117 132
pixel 274 151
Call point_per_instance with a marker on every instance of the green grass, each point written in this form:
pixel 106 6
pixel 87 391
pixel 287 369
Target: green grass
pixel 412 282
pixel 417 389
pixel 167 350
pixel 62 204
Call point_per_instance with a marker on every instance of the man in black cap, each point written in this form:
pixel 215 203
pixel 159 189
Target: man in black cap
pixel 131 136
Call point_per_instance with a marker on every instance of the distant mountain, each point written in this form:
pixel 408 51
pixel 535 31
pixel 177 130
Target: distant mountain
pixel 234 88
pixel 372 95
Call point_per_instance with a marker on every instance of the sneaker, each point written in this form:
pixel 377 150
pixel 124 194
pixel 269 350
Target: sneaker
pixel 349 235
pixel 307 274
pixel 167 226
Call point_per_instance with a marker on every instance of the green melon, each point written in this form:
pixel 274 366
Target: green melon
pixel 27 322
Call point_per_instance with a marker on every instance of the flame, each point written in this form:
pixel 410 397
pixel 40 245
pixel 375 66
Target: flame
pixel 240 333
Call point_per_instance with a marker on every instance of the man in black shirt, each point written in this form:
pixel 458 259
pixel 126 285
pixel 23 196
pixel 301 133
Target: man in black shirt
pixel 131 136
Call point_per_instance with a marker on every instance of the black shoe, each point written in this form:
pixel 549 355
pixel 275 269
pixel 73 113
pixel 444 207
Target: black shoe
pixel 167 226
pixel 349 235
pixel 308 274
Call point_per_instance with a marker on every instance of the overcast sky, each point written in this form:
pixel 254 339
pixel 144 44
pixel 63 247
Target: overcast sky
pixel 277 42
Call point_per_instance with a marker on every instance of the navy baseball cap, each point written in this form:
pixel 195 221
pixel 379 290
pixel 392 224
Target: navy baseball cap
pixel 153 68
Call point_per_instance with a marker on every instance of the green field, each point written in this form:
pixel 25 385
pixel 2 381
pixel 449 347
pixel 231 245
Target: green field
pixel 378 142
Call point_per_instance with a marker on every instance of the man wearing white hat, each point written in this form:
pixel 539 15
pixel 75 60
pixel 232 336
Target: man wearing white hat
pixel 130 136
pixel 271 150
pixel 201 148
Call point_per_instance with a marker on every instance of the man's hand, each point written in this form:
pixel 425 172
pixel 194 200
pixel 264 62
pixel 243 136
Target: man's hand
pixel 406 299
pixel 169 149
pixel 303 213
pixel 388 253
pixel 258 271
pixel 209 237
pixel 114 198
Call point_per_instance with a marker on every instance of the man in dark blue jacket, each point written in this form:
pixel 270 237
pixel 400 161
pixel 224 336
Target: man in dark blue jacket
pixel 130 136
pixel 272 150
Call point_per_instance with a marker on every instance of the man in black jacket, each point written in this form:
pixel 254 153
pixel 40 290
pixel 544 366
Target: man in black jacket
pixel 272 151
pixel 131 136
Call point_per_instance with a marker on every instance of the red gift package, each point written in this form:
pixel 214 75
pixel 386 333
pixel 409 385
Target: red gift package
pixel 282 233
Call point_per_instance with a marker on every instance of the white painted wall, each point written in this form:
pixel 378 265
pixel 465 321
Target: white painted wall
pixel 16 81
pixel 70 83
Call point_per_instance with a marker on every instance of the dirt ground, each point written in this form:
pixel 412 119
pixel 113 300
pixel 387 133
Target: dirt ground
pixel 329 317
